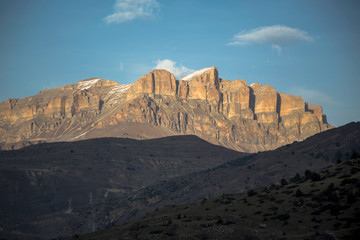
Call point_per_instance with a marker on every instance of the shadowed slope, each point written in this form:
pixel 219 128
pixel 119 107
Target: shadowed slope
pixel 252 171
pixel 42 186
pixel 324 205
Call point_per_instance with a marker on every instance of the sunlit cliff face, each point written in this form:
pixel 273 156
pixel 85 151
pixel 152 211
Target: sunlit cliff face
pixel 244 117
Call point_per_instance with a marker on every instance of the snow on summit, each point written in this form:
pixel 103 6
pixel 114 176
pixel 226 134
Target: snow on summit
pixel 198 72
pixel 116 91
pixel 86 84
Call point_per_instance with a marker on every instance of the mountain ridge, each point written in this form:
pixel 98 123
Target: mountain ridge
pixel 243 117
pixel 128 178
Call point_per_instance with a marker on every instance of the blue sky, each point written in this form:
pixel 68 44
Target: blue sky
pixel 308 48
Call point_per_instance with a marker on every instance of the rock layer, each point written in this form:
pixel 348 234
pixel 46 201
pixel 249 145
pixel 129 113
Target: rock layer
pixel 243 117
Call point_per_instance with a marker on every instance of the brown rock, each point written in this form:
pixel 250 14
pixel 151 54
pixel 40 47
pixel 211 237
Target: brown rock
pixel 289 104
pixel 159 82
pixel 204 85
pixel 318 112
pixel 265 103
pixel 236 97
pixel 230 113
pixel 165 83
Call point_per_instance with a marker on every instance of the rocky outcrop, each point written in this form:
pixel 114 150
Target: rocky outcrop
pixel 157 82
pixel 244 117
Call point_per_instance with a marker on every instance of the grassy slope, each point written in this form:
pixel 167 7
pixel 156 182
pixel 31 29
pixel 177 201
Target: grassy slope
pixel 308 209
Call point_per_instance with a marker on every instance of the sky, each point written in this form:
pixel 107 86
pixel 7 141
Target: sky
pixel 302 47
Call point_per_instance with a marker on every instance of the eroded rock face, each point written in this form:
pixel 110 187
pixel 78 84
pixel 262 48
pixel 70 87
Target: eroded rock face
pixel 244 117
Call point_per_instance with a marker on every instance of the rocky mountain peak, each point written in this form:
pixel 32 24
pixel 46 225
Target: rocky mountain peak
pixel 201 74
pixel 244 117
pixel 159 81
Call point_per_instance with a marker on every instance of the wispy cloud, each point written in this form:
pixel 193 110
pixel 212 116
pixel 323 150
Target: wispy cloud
pixel 313 96
pixel 172 67
pixel 277 49
pixel 276 36
pixel 127 10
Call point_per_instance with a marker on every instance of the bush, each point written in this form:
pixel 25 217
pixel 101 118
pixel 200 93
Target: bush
pixel 354 155
pixel 251 192
pixel 296 179
pixel 299 193
pixel 348 181
pixel 351 198
pixel 283 182
pixel 156 231
pixel 315 177
pixel 283 217
pixel 307 174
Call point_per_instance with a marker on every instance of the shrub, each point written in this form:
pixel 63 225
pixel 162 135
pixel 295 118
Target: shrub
pixel 299 193
pixel 315 177
pixel 307 174
pixel 283 182
pixel 348 181
pixel 335 209
pixel 296 179
pixel 219 221
pixel 283 217
pixel 251 192
pixel 351 198
pixel 354 155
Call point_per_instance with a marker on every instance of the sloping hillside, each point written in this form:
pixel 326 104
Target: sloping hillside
pixel 48 187
pixel 249 172
pixel 44 186
pixel 324 205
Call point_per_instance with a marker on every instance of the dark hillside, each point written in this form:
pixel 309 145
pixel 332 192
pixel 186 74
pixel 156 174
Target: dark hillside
pixel 43 186
pixel 250 172
pixel 324 205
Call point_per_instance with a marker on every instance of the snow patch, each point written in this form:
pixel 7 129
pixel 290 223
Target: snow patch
pixel 117 91
pixel 196 73
pixel 87 84
pixel 79 135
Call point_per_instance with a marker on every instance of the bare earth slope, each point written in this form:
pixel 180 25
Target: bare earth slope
pixel 243 117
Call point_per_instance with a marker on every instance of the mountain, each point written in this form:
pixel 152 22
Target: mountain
pixel 44 187
pixel 239 175
pixel 319 206
pixel 61 189
pixel 247 118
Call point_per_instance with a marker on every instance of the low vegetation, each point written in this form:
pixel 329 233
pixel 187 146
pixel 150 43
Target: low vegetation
pixel 322 205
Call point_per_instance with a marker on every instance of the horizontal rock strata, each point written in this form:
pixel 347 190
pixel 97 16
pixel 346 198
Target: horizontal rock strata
pixel 243 117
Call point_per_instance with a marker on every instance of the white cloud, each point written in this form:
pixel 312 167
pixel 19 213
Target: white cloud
pixel 277 49
pixel 121 66
pixel 276 36
pixel 172 67
pixel 127 10
pixel 313 96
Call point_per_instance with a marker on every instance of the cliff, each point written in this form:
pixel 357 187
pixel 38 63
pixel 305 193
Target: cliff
pixel 243 117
